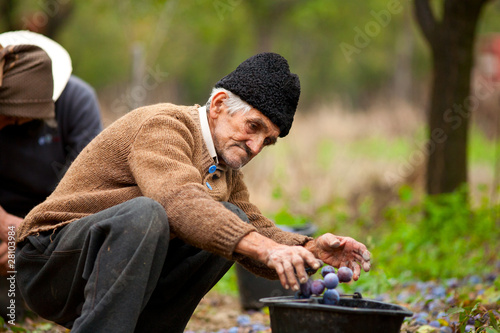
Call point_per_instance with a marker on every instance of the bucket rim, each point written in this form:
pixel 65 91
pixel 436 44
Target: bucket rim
pixel 288 302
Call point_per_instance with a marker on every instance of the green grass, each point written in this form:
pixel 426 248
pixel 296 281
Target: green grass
pixel 481 149
pixel 228 285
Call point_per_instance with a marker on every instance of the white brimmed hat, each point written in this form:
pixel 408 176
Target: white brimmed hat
pixel 61 61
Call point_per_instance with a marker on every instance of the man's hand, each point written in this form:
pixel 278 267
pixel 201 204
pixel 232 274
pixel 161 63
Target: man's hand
pixel 288 261
pixel 7 220
pixel 340 251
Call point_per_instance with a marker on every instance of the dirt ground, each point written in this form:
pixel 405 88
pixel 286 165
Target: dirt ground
pixel 215 313
pixel 221 312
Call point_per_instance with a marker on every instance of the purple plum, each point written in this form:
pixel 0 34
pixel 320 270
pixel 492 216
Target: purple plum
pixel 331 281
pixel 327 269
pixel 317 287
pixel 305 289
pixel 331 297
pixel 344 274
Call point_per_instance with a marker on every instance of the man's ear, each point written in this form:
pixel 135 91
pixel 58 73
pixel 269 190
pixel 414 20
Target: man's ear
pixel 217 104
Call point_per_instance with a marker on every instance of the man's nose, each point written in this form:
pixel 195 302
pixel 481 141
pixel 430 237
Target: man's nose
pixel 255 145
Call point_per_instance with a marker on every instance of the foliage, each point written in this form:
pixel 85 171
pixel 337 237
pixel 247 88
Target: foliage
pixel 228 285
pixel 198 41
pixel 420 240
pixel 478 316
pixel 429 238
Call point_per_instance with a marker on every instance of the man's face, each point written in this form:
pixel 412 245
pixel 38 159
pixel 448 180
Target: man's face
pixel 8 120
pixel 239 137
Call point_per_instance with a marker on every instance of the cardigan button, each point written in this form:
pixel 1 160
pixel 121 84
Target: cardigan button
pixel 212 169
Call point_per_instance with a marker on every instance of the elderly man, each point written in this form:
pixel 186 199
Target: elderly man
pixel 154 211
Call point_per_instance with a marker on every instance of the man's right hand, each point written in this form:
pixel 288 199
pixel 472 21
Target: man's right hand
pixel 288 261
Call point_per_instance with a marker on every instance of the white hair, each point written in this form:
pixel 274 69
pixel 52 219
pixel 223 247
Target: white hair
pixel 233 102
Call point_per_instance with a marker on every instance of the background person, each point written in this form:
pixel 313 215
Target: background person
pixel 47 116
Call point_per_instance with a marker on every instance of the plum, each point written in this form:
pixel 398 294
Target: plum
pixel 305 289
pixel 331 296
pixel 331 281
pixel 317 287
pixel 344 274
pixel 327 269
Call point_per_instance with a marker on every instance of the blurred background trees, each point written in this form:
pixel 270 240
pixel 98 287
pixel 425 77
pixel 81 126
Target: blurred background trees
pixel 450 31
pixel 355 54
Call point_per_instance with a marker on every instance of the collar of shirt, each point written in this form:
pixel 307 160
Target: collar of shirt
pixel 207 135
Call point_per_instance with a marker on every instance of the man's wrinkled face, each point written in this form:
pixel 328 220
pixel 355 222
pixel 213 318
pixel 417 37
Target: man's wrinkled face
pixel 239 137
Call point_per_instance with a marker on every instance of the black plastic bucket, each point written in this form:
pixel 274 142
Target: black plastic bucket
pixel 252 287
pixel 351 315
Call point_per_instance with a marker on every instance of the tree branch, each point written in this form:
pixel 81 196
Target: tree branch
pixel 426 20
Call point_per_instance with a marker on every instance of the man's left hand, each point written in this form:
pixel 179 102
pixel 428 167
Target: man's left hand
pixel 339 251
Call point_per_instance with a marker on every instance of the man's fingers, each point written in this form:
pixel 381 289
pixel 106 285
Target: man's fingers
pixel 290 276
pixel 366 266
pixel 366 260
pixel 281 274
pixel 312 262
pixel 300 270
pixel 333 241
pixel 335 244
pixel 356 269
pixel 328 241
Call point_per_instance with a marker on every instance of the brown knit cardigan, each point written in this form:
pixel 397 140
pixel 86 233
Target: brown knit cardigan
pixel 158 151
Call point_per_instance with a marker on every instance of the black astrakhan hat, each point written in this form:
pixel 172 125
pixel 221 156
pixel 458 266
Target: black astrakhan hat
pixel 264 81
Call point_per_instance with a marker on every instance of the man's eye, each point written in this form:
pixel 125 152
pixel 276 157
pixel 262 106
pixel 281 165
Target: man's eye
pixel 253 126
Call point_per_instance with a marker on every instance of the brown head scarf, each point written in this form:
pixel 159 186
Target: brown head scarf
pixel 26 82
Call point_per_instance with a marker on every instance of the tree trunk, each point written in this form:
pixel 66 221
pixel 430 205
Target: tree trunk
pixel 7 14
pixel 58 14
pixel 452 41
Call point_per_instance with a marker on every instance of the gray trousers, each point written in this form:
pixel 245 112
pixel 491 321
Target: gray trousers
pixel 117 271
